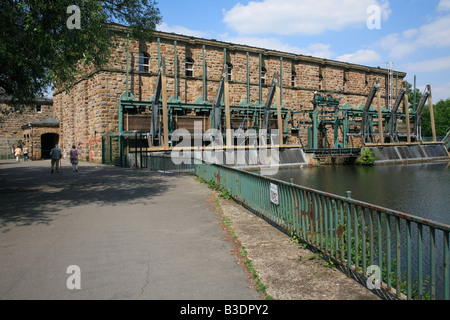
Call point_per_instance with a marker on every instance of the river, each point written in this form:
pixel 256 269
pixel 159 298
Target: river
pixel 421 190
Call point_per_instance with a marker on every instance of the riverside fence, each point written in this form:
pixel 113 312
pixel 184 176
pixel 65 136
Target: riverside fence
pixel 405 255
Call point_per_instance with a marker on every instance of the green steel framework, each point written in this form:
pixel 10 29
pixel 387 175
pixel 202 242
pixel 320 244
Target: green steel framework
pixel 127 100
pixel 352 233
pixel 342 117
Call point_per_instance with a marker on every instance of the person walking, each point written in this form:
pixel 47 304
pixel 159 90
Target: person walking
pixel 55 155
pixel 17 153
pixel 74 158
pixel 25 154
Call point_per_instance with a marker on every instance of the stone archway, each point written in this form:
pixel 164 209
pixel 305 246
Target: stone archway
pixel 48 142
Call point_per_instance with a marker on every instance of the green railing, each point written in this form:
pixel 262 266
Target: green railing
pixel 168 164
pixel 409 256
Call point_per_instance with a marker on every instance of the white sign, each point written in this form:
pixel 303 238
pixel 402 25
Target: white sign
pixel 274 193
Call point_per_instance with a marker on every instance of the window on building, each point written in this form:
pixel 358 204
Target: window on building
pixel 189 67
pixel 229 70
pixel 39 109
pixel 263 75
pixel 293 78
pixel 344 87
pixel 144 62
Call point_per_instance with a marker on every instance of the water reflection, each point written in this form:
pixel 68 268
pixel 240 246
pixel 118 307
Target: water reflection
pixel 417 189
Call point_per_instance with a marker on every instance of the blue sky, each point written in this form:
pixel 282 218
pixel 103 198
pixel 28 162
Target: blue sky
pixel 413 34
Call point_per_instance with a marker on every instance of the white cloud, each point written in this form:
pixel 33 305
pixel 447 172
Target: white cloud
pixel 444 5
pixel 164 27
pixel 433 35
pixel 361 57
pixel 289 17
pixel 319 50
pixel 410 33
pixel 431 65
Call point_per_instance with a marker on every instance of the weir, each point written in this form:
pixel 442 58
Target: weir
pixel 446 140
pixel 410 154
pixel 248 159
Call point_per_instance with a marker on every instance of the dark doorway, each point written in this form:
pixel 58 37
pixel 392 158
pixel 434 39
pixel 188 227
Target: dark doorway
pixel 48 142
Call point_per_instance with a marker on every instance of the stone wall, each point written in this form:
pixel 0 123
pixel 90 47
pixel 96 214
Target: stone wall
pixel 90 109
pixel 34 143
pixel 12 119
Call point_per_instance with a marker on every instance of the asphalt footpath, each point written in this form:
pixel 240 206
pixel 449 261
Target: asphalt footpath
pixel 108 233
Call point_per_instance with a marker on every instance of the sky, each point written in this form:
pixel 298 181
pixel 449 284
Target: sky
pixel 414 35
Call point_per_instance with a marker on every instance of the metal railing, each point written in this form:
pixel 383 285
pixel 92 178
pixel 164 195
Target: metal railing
pixel 407 256
pixel 167 164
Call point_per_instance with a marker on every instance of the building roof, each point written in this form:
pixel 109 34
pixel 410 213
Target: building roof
pixel 49 122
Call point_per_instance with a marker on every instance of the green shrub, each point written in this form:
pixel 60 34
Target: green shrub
pixel 368 157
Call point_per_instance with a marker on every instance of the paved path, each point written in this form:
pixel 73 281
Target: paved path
pixel 134 235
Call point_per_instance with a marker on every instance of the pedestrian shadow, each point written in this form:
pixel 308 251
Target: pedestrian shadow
pixel 32 195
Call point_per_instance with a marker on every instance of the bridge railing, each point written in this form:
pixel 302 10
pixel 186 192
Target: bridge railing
pixel 392 251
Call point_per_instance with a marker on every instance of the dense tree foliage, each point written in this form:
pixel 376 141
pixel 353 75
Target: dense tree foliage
pixel 413 95
pixel 441 114
pixel 39 44
pixel 441 119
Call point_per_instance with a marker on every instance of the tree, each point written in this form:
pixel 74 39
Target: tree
pixel 42 42
pixel 441 119
pixel 418 95
pixel 368 157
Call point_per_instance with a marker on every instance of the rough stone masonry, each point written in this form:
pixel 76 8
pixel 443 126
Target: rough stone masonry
pixel 90 109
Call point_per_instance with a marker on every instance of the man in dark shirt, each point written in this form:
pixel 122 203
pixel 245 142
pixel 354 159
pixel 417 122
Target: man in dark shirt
pixel 55 154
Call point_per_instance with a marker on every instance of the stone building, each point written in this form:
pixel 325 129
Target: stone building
pixel 31 126
pixel 40 137
pixel 193 67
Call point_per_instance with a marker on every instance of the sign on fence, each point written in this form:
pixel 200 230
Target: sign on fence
pixel 274 193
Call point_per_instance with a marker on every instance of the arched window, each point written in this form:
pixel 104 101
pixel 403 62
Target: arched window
pixel 144 62
pixel 229 70
pixel 189 67
pixel 263 75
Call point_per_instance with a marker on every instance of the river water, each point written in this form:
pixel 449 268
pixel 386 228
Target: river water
pixel 421 190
